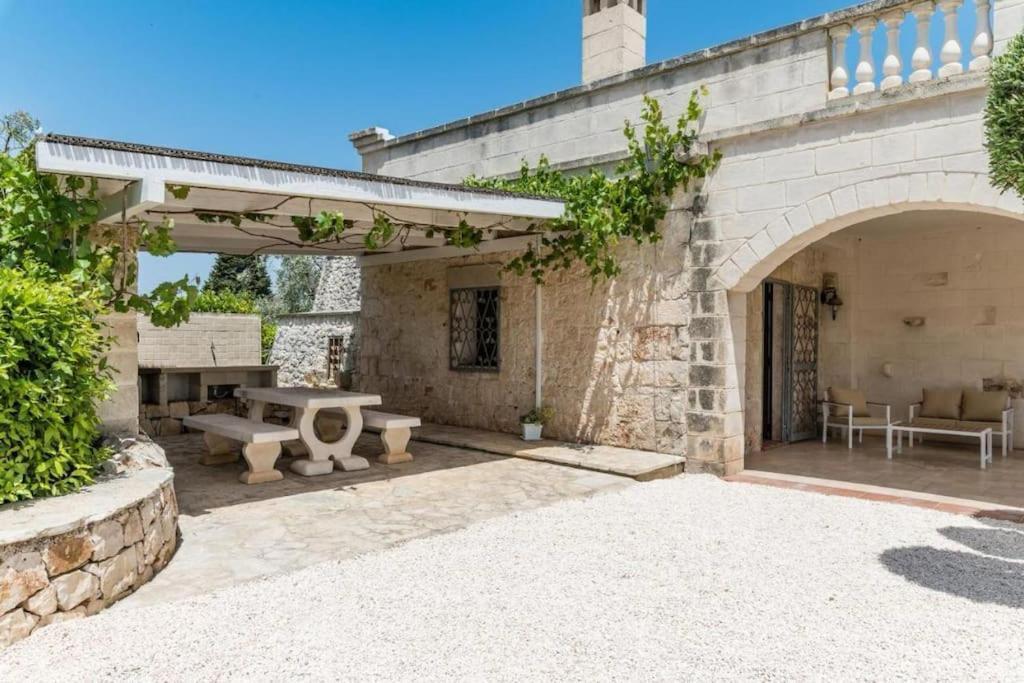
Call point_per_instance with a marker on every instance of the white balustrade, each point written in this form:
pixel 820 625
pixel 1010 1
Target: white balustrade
pixel 839 77
pixel 981 46
pixel 892 67
pixel 951 54
pixel 921 60
pixel 866 66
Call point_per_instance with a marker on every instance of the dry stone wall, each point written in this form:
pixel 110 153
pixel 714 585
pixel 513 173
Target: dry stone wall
pixel 72 570
pixel 338 289
pixel 300 347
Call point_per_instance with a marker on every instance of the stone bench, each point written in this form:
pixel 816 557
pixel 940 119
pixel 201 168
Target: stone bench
pixel 395 432
pixel 261 444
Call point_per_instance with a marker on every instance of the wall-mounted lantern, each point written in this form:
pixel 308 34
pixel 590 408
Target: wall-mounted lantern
pixel 830 293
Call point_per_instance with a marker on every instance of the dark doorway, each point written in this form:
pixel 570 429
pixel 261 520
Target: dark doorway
pixel 790 365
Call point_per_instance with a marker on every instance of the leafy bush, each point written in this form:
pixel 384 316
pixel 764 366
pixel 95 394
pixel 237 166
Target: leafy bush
pixel 52 376
pixel 1004 119
pixel 268 332
pixel 224 301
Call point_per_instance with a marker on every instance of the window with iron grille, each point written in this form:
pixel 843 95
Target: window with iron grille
pixel 474 329
pixel 335 356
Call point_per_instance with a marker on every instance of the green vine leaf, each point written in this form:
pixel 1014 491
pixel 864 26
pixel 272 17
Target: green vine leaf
pixel 601 212
pixel 179 191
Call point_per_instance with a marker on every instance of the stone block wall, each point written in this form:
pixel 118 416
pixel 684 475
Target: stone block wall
pixel 120 412
pixel 747 83
pixel 207 339
pixel 78 571
pixel 615 354
pixel 300 347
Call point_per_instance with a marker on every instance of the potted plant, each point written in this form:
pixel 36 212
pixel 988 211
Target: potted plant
pixel 533 422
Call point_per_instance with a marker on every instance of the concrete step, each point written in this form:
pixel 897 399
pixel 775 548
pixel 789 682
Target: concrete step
pixel 626 462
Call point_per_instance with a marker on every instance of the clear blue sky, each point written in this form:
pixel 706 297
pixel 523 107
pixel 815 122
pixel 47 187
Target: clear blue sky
pixel 289 80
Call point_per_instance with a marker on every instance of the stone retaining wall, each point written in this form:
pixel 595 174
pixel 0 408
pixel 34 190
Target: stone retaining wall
pixel 83 552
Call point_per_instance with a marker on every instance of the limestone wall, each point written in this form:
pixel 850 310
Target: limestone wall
pixel 747 84
pixel 339 285
pixel 300 347
pixel 207 339
pixel 120 412
pixel 71 557
pixel 615 354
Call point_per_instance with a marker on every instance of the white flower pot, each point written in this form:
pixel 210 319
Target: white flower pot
pixel 531 432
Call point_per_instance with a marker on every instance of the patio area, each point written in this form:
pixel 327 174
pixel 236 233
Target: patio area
pixel 232 533
pixel 945 469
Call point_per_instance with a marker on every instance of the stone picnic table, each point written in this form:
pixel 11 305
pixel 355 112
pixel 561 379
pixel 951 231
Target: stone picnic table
pixel 305 404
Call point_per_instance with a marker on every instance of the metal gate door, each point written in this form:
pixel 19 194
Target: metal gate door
pixel 800 390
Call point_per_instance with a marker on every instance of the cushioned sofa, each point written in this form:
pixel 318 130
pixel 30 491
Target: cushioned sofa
pixel 965 410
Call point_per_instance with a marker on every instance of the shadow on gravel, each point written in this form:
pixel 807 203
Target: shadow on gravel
pixel 1005 543
pixel 995 577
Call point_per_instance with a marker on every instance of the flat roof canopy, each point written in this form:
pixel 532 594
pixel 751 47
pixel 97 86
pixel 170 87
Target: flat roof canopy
pixel 136 182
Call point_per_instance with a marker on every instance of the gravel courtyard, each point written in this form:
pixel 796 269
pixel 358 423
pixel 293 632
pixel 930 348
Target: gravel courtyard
pixel 687 578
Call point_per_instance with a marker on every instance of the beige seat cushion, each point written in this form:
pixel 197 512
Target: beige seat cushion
pixel 850 397
pixel 869 422
pixel 942 403
pixel 984 406
pixel 978 426
pixel 933 423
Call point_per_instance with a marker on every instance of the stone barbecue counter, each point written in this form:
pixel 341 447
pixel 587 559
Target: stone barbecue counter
pixel 72 556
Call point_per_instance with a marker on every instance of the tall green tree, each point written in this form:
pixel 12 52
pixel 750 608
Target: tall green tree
pixel 296 283
pixel 1004 119
pixel 239 275
pixel 16 131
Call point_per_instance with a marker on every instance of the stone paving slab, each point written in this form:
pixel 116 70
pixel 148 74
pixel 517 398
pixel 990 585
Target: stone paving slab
pixel 626 462
pixel 232 533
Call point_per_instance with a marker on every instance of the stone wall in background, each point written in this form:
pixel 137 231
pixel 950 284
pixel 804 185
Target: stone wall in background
pixel 301 345
pixel 339 286
pixel 207 339
pixel 71 557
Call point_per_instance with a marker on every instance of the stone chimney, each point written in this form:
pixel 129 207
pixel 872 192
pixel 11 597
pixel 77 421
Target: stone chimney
pixel 368 141
pixel 614 37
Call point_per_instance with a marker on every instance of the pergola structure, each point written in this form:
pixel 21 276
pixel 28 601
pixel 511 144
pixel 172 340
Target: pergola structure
pixel 142 182
pixel 207 194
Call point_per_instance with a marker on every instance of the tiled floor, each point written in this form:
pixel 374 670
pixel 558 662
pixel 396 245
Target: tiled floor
pixel 942 469
pixel 233 533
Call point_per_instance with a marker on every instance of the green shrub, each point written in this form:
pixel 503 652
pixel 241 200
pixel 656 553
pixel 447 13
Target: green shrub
pixel 1004 119
pixel 52 376
pixel 268 332
pixel 223 301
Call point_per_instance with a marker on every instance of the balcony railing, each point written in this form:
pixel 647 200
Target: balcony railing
pixel 923 65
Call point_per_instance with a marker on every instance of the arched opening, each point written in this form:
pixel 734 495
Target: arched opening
pixel 929 298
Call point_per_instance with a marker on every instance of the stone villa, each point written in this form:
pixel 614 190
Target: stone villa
pixel 824 175
pixel 843 174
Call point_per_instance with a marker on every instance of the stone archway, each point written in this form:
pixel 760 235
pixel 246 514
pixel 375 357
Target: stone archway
pixel 718 327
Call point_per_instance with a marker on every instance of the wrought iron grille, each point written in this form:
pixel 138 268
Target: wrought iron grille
pixel 802 382
pixel 335 356
pixel 474 329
